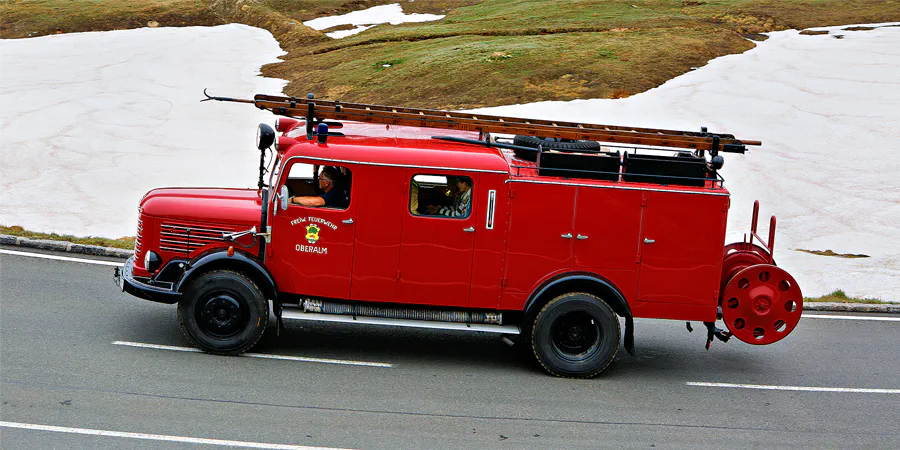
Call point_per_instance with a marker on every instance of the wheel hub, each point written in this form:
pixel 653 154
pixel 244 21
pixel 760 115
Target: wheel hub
pixel 762 304
pixel 575 336
pixel 222 316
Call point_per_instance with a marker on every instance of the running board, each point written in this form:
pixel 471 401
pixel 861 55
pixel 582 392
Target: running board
pixel 293 314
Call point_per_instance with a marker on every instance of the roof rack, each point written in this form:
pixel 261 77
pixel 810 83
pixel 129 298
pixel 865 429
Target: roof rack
pixel 313 110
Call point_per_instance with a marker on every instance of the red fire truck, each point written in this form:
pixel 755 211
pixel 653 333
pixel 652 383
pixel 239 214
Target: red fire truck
pixel 364 214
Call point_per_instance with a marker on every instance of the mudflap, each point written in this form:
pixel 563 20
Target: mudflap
pixel 629 335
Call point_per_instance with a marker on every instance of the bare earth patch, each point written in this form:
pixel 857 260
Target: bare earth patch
pixel 338 28
pixel 831 253
pixel 840 296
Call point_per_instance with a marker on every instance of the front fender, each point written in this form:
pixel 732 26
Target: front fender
pixel 240 261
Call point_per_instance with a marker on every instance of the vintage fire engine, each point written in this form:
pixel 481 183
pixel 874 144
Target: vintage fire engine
pixel 552 235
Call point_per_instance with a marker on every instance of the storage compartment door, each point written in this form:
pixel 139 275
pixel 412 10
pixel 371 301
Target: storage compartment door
pixel 607 235
pixel 682 241
pixel 540 238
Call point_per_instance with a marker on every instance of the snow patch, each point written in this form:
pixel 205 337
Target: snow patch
pixel 89 122
pixel 828 113
pixel 368 18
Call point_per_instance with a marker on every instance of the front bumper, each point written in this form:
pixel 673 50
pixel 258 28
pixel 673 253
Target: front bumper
pixel 143 288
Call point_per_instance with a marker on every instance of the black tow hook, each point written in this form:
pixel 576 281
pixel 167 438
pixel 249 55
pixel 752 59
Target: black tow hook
pixel 718 333
pixel 711 332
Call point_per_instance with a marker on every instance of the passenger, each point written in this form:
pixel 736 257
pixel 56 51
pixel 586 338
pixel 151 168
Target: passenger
pixel 332 196
pixel 414 198
pixel 462 201
pixel 346 182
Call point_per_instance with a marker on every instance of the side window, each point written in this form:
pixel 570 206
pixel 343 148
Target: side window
pixel 319 186
pixel 440 196
pixel 301 179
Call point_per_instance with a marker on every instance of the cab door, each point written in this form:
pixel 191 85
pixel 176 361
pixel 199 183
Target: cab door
pixel 311 252
pixel 436 248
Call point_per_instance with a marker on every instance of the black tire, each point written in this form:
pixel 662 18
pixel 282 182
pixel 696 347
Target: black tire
pixel 549 144
pixel 223 312
pixel 575 335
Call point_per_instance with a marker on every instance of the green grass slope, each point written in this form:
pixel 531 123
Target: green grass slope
pixel 483 53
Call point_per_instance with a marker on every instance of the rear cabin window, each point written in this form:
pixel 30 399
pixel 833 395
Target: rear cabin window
pixel 440 196
pixel 304 181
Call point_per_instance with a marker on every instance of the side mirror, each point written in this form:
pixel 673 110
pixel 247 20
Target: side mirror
pixel 265 136
pixel 283 196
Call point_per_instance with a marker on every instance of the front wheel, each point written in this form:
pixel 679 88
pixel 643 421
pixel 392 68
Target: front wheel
pixel 223 312
pixel 575 335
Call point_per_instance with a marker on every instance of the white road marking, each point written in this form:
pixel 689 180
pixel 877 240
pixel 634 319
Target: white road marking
pixel 796 388
pixel 62 258
pixel 826 316
pixel 156 437
pixel 259 355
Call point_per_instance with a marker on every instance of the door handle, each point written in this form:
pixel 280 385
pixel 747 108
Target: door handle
pixel 348 221
pixel 566 236
pixel 469 230
pixel 649 241
pixel 581 237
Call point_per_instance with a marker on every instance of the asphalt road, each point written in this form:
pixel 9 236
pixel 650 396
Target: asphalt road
pixel 59 367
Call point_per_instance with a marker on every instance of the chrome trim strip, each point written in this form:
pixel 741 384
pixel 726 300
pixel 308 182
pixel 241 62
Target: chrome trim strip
pixel 198 229
pixel 293 314
pixel 170 249
pixel 176 244
pixel 409 166
pixel 511 180
pixel 492 199
pixel 199 237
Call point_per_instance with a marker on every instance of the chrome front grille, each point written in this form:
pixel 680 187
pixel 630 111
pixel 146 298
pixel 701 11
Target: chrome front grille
pixel 182 237
pixel 137 239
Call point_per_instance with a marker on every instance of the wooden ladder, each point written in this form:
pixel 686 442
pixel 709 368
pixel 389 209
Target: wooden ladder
pixel 318 110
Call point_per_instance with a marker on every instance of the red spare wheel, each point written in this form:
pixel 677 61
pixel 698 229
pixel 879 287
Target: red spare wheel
pixel 761 304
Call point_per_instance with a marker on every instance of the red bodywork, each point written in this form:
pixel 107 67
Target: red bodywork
pixel 660 246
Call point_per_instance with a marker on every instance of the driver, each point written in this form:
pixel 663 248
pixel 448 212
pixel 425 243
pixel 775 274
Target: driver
pixel 332 197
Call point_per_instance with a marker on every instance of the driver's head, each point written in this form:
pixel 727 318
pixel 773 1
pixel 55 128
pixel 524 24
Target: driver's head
pixel 328 178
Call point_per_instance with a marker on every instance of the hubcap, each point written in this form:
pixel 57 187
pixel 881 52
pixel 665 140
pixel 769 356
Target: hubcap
pixel 761 304
pixel 575 336
pixel 222 316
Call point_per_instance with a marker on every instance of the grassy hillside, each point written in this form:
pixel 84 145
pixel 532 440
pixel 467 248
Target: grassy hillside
pixel 484 53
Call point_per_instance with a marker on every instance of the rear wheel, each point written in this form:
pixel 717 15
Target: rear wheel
pixel 575 335
pixel 223 312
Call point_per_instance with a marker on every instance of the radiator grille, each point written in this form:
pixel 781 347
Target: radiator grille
pixel 182 237
pixel 137 239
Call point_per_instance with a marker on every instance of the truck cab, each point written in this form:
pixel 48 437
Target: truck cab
pixel 550 240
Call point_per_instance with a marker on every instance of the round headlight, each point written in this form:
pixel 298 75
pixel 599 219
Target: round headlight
pixel 265 136
pixel 152 261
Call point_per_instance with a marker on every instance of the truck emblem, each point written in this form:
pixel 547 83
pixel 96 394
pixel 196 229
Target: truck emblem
pixel 312 233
